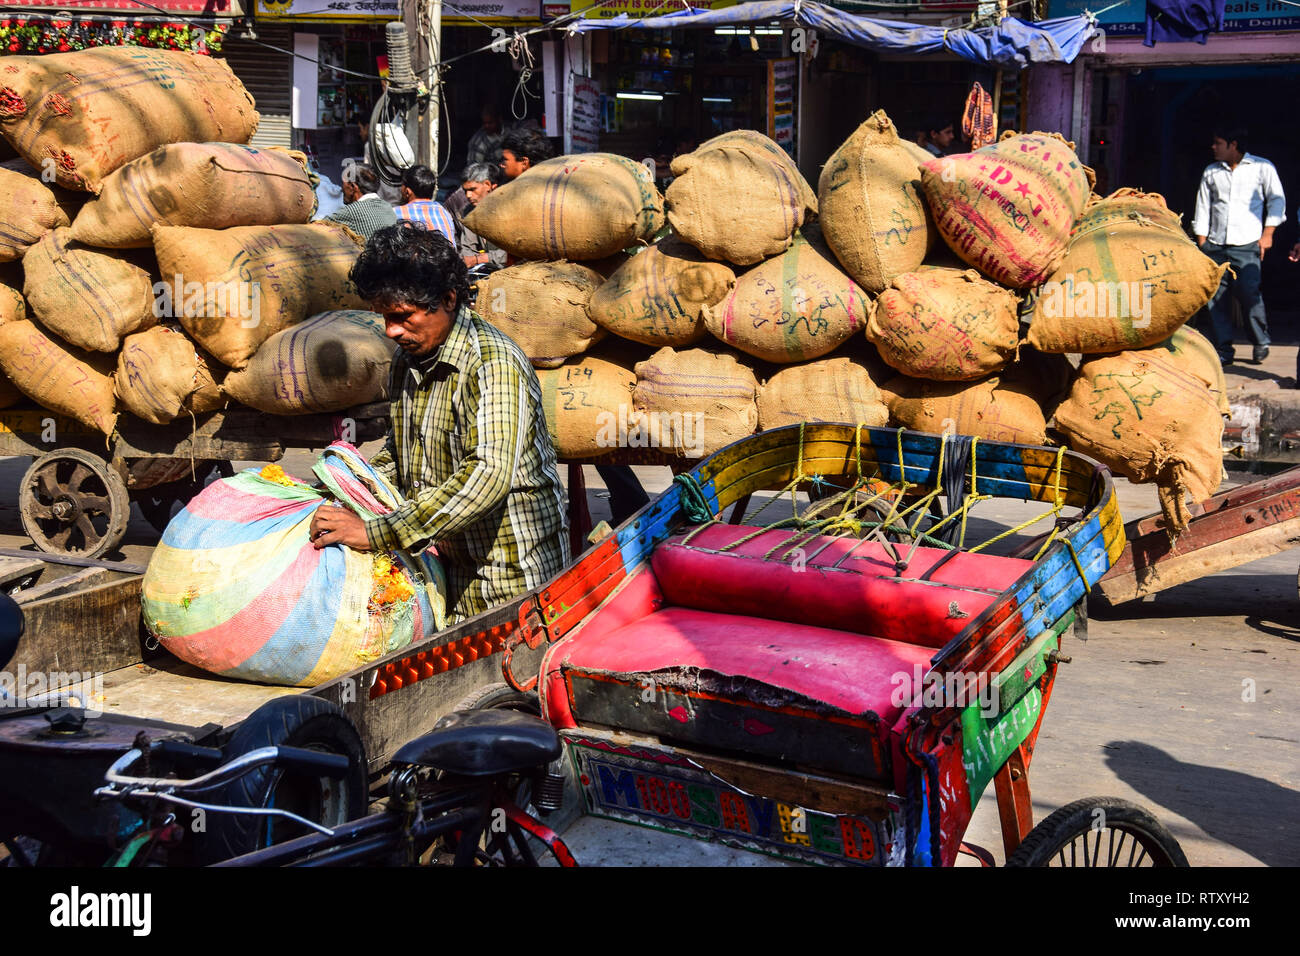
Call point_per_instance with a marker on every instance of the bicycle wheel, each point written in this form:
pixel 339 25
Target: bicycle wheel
pixel 1100 832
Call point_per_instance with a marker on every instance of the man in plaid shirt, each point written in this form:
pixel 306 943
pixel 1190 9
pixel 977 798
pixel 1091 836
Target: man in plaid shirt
pixel 469 446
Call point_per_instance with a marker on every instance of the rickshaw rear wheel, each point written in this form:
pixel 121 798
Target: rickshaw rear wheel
pixel 72 502
pixel 1099 832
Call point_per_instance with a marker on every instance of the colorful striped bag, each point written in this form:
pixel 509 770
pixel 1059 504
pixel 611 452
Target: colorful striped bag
pixel 236 588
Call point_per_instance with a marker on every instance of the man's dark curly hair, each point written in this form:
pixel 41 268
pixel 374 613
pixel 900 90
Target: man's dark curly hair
pixel 530 143
pixel 409 263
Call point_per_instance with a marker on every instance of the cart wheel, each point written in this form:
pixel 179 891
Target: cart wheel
pixel 72 502
pixel 294 721
pixel 1100 832
pixel 500 696
pixel 158 504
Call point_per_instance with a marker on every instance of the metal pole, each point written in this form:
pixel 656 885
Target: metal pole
pixel 423 20
pixel 434 82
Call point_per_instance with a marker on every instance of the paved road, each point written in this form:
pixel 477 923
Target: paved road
pixel 1153 708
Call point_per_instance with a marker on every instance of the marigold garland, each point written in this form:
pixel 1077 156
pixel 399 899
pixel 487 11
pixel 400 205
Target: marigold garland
pixel 276 474
pixel 392 585
pixel 28 35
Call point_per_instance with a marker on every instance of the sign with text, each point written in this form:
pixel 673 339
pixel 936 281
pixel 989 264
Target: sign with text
pixel 782 75
pixel 640 9
pixel 1240 16
pixel 461 10
pixel 583 123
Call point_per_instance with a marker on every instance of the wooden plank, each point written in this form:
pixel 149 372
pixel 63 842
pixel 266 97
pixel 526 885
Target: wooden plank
pixel 46 589
pixel 95 630
pixel 1172 569
pixel 179 693
pixel 799 788
pixel 19 572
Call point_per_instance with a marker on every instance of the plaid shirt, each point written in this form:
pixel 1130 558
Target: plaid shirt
pixel 469 448
pixel 432 214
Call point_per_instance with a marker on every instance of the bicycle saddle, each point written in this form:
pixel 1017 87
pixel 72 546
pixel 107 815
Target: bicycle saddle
pixel 483 743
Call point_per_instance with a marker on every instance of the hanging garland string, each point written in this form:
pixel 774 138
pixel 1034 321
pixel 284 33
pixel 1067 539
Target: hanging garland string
pixel 35 35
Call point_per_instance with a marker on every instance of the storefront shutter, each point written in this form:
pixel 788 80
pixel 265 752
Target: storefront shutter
pixel 268 75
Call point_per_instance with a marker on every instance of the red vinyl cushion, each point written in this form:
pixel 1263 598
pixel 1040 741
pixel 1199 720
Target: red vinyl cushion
pixel 863 595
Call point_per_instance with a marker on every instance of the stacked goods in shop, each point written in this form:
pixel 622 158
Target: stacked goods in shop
pixel 738 198
pixel 205 185
pixel 656 296
pixel 796 306
pixel 579 208
pixel 29 208
pixel 1130 277
pixel 161 375
pixel 543 307
pixel 1008 209
pixel 945 324
pixel 96 110
pixel 873 212
pixel 328 363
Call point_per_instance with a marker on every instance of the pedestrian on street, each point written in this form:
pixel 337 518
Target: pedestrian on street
pixel 1238 205
pixel 363 211
pixel 468 444
pixel 419 185
pixel 477 181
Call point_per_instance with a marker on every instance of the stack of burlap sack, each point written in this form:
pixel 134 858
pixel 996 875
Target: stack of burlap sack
pixel 151 264
pixel 931 293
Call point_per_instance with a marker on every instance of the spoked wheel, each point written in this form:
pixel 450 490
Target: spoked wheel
pixel 1100 832
pixel 72 502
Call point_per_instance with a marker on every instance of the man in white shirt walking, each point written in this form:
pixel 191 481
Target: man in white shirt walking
pixel 1238 205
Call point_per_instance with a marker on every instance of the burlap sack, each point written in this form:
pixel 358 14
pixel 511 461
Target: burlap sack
pixel 695 401
pixel 29 209
pixel 579 207
pixel 237 287
pixel 738 197
pixel 1008 209
pixel 589 407
pixel 95 110
pixel 330 362
pixel 1150 416
pixel 919 153
pixel 543 307
pixel 11 310
pixel 89 297
pixel 947 325
pixel 58 376
pixel 991 409
pixel 1129 278
pixel 797 306
pixel 1197 353
pixel 162 375
pixel 829 390
pixel 873 212
pixel 206 185
pixel 655 298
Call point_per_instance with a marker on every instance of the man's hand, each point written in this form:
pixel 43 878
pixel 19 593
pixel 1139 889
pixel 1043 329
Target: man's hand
pixel 1294 255
pixel 1265 242
pixel 330 525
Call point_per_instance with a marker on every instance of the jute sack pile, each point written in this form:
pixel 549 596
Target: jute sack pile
pixel 656 296
pixel 95 110
pixel 797 306
pixel 588 406
pixel 947 325
pixel 11 310
pixel 738 198
pixel 998 408
pixel 543 307
pixel 827 390
pixel 1008 209
pixel 1193 349
pixel 572 207
pixel 207 185
pixel 89 297
pixel 330 362
pixel 162 375
pixel 873 212
pixel 695 401
pixel 1150 415
pixel 242 285
pixel 1129 278
pixel 28 210
pixel 58 376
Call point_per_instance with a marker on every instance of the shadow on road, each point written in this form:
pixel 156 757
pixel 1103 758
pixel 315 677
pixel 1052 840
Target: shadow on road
pixel 1224 595
pixel 1251 814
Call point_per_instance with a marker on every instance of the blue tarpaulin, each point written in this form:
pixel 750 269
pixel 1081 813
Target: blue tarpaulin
pixel 1013 44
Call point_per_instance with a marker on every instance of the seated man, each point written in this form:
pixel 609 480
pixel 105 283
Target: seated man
pixel 468 444
pixel 477 181
pixel 363 211
pixel 419 185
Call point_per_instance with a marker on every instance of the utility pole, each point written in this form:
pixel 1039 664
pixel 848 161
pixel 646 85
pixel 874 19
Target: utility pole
pixel 423 19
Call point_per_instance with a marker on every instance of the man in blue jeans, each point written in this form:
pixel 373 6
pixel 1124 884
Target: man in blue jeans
pixel 1238 205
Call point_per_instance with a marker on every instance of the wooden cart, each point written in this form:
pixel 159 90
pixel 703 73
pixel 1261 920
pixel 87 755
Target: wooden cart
pixel 75 499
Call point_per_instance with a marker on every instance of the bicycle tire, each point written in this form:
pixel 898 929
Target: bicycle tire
pixel 1048 841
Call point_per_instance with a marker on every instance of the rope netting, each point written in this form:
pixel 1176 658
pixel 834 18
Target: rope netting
pixel 900 515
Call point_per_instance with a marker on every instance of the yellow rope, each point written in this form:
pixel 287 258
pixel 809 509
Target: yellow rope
pixel 1056 509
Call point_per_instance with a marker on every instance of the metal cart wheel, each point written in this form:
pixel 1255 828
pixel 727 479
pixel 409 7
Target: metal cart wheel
pixel 1100 832
pixel 71 502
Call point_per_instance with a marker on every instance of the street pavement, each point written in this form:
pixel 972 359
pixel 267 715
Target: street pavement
pixel 1185 702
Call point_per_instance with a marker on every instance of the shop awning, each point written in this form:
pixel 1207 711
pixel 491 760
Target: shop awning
pixel 221 9
pixel 1012 44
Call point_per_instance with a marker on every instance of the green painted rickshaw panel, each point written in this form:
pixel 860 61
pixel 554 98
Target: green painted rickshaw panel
pixel 1030 664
